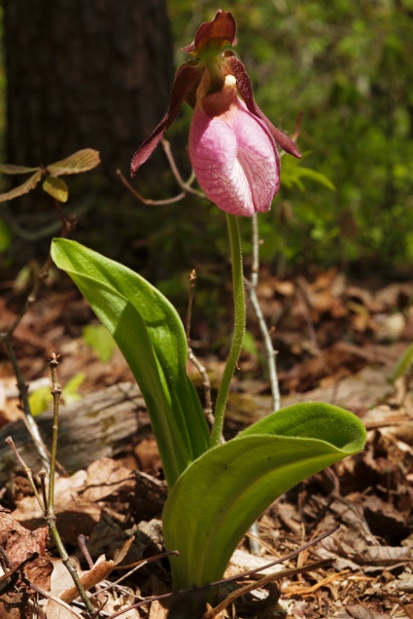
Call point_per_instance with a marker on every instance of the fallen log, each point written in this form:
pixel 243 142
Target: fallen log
pixel 99 425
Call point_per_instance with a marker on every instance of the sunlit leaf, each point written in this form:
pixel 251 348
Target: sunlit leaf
pixel 221 494
pixel 316 176
pixel 150 334
pixel 99 338
pixel 25 187
pixel 40 400
pixel 81 161
pixel 70 392
pixel 403 365
pixel 293 172
pixel 56 187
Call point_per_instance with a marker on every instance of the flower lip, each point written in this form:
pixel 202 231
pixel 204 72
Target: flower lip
pixel 233 155
pixel 212 37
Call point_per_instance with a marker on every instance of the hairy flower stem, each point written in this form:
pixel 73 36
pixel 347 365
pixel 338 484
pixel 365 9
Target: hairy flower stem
pixel 239 328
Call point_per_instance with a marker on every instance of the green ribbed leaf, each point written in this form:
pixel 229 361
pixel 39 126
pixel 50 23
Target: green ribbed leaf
pixel 150 334
pixel 221 494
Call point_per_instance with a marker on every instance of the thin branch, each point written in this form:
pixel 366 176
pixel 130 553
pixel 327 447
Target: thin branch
pixel 56 393
pixel 186 186
pixel 50 515
pixel 28 472
pixel 252 291
pixel 148 201
pixel 266 580
pixel 25 404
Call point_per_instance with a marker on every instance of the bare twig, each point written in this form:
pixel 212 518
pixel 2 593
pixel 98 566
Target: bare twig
pixel 27 470
pixel 56 393
pixel 269 348
pixel 24 397
pixel 186 186
pixel 50 515
pixel 148 201
pixel 252 291
pixel 259 584
pixel 81 540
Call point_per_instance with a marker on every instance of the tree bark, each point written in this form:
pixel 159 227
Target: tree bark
pixel 84 74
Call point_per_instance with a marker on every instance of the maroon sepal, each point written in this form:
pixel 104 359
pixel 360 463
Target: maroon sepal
pixel 237 69
pixel 186 78
pixel 214 35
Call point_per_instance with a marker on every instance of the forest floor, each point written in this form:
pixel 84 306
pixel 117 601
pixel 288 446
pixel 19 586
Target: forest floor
pixel 337 342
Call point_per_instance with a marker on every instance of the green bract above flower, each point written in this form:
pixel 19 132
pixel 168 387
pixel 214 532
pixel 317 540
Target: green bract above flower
pixel 228 125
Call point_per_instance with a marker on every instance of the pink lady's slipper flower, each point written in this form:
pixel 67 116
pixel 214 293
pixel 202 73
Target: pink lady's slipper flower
pixel 232 144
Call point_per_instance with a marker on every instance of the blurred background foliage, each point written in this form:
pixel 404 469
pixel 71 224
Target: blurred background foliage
pixel 348 66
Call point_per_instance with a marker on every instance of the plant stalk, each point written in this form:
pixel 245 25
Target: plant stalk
pixel 239 328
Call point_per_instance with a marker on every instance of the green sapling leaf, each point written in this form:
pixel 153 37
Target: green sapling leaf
pixel 56 187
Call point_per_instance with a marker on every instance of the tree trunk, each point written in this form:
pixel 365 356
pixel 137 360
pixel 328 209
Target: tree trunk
pixel 84 74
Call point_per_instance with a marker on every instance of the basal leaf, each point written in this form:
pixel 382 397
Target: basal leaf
pixel 81 161
pixel 150 335
pixel 25 187
pixel 221 494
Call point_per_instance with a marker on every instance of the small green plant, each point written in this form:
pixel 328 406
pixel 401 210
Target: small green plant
pixel 100 340
pixel 77 163
pixel 41 399
pixel 216 490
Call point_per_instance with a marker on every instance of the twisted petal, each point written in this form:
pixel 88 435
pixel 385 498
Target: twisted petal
pixel 186 78
pixel 236 67
pixel 235 159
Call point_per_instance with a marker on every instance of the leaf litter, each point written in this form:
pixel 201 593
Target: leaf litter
pixel 336 342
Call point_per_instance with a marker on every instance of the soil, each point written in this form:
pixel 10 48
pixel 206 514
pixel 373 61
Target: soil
pixel 347 532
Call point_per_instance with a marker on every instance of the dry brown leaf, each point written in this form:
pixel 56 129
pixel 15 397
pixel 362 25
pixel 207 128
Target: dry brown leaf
pixel 359 611
pixel 57 609
pixel 159 609
pixel 18 542
pixel 99 572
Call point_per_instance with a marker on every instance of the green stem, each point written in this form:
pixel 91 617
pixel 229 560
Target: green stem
pixel 239 328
